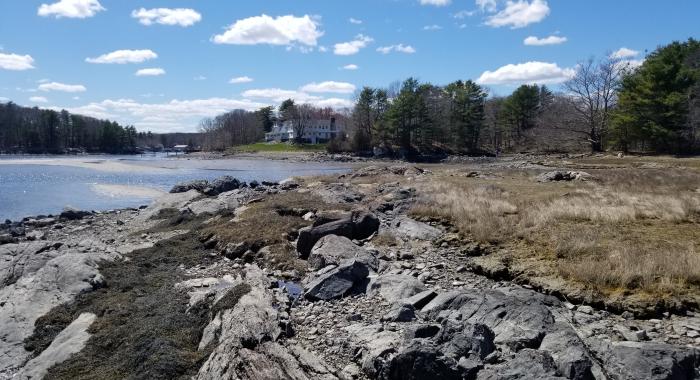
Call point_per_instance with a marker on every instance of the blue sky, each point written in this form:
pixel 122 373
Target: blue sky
pixel 199 58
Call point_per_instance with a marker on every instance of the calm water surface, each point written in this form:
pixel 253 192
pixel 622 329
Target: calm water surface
pixel 34 189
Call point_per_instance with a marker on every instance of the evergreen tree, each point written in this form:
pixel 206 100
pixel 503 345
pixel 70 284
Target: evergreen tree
pixel 657 99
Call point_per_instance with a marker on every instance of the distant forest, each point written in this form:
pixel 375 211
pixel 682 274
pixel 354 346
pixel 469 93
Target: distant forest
pixel 608 104
pixel 39 131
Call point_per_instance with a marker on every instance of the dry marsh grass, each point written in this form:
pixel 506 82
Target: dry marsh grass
pixel 631 230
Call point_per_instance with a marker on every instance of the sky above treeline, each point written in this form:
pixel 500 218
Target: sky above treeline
pixel 164 65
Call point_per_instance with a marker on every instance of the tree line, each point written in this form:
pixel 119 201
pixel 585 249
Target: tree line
pixel 607 104
pixel 34 130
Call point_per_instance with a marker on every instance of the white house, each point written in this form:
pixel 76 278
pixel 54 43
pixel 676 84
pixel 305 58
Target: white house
pixel 315 131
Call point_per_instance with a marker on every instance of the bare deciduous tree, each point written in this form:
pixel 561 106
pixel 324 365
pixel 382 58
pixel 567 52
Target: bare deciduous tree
pixel 593 94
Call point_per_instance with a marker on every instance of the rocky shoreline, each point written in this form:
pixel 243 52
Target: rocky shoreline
pixel 302 279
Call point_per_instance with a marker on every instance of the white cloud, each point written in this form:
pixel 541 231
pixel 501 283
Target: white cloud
pixel 487 5
pixel 432 27
pixel 624 52
pixel 4 99
pixel 352 47
pixel 200 77
pixel 238 80
pixel 336 103
pixel 518 14
pixel 282 30
pixel 173 116
pixel 124 56
pixel 278 95
pixel 55 86
pixel 71 9
pixel 167 16
pixel 151 72
pixel 551 40
pixel 351 66
pixel 330 87
pixel 16 62
pixel 400 48
pixel 355 21
pixel 38 99
pixel 437 3
pixel 463 14
pixel 526 73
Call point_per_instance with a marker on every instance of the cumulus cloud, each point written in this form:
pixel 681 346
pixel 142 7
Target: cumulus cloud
pixel 282 30
pixel 352 47
pixel 624 52
pixel 167 16
pixel 518 14
pixel 330 87
pixel 55 86
pixel 238 80
pixel 351 67
pixel 16 62
pixel 200 77
pixel 437 3
pixel 400 48
pixel 71 9
pixel 354 21
pixel 551 40
pixel 38 99
pixel 124 56
pixel 278 95
pixel 526 73
pixel 151 72
pixel 432 27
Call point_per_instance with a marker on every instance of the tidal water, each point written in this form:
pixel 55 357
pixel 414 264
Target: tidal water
pixel 41 189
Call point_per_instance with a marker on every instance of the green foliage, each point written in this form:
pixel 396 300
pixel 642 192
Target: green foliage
pixel 521 108
pixel 266 118
pixel 466 112
pixel 656 100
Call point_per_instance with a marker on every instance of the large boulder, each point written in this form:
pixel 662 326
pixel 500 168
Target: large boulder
pixel 518 321
pixel 199 185
pixel 527 364
pixel 414 229
pixel 222 185
pixel 334 249
pixel 569 353
pixel 419 360
pixel 653 361
pixel 349 276
pixel 560 175
pixel 74 214
pixel 396 287
pixel 357 225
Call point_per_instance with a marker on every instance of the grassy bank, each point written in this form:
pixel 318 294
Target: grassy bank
pixel 278 148
pixel 630 239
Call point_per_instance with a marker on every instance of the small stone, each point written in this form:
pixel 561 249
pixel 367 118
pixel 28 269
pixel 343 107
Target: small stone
pixel 585 309
pixel 627 315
